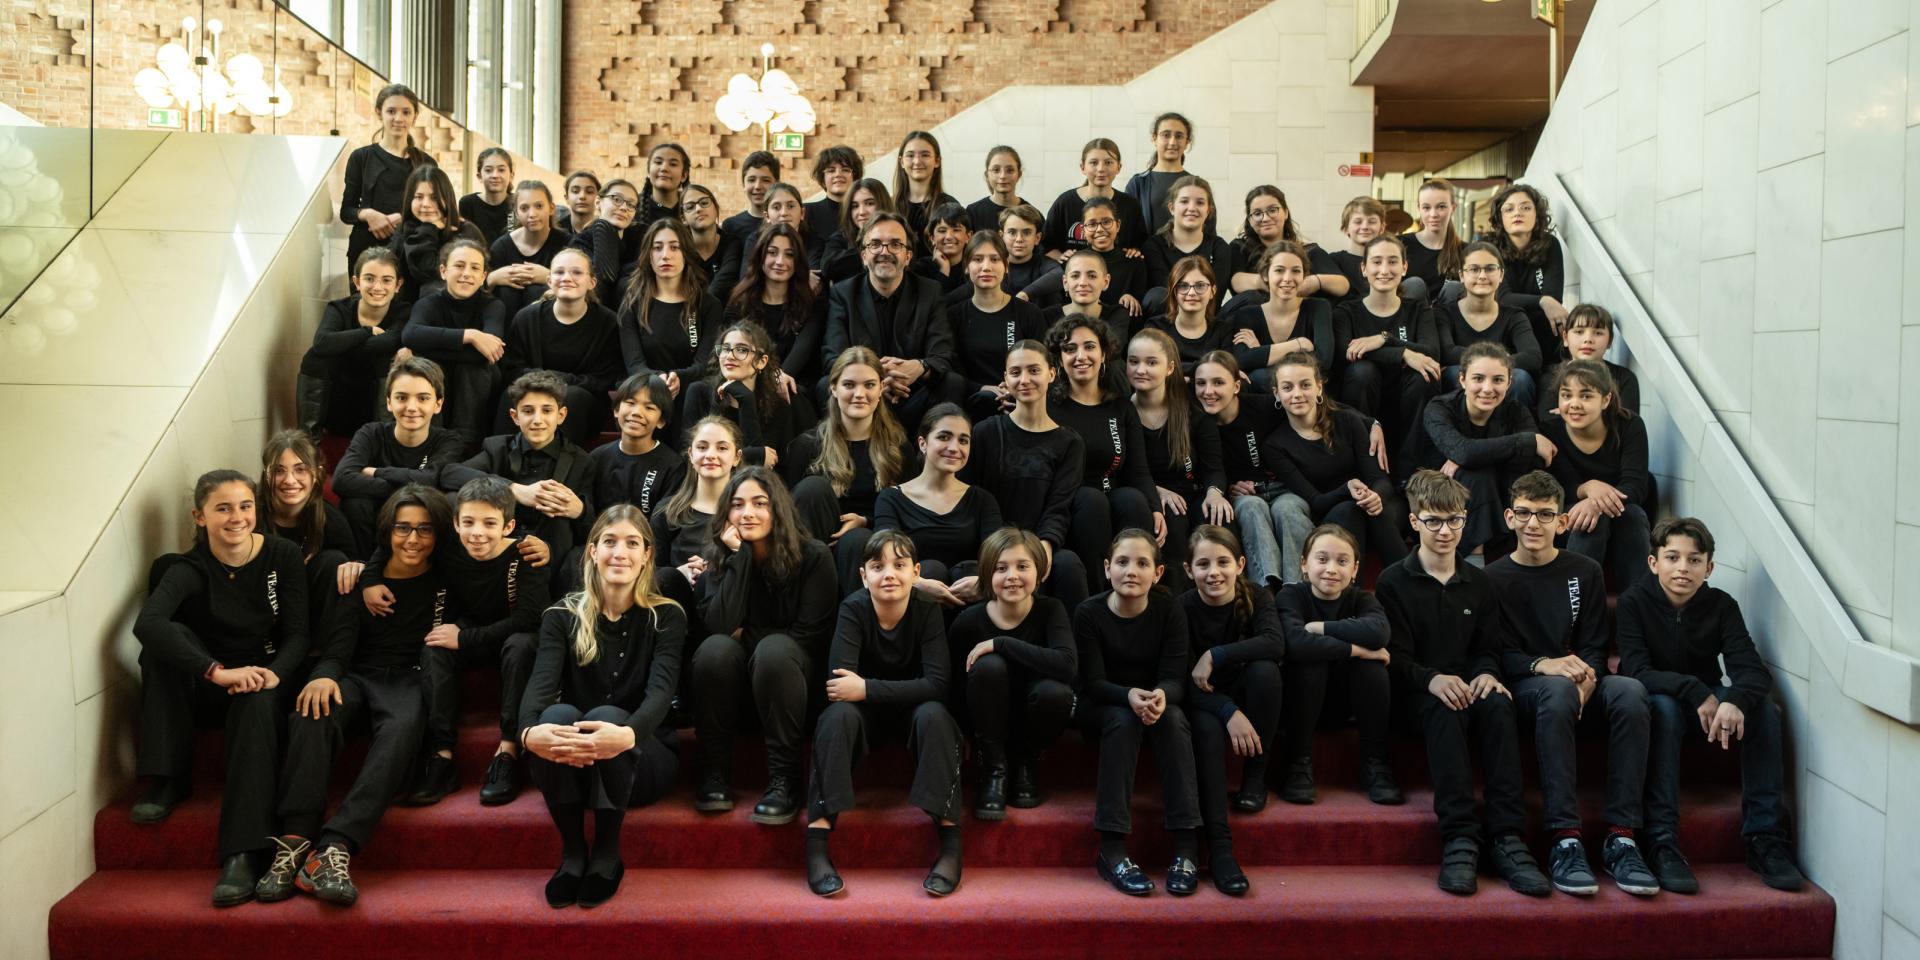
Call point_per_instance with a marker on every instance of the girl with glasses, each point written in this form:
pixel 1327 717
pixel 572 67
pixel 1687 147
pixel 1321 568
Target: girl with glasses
pixel 717 251
pixel 742 384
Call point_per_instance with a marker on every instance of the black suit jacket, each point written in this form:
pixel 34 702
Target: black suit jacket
pixel 920 322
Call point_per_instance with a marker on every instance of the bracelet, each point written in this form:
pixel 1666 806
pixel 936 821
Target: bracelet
pixel 208 676
pixel 1534 667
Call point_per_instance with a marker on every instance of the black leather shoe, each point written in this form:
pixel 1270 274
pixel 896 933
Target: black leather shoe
pixel 1023 792
pixel 1377 776
pixel 564 889
pixel 1514 862
pixel 938 885
pixel 438 777
pixel 1298 785
pixel 1228 878
pixel 1126 876
pixel 237 879
pixel 1247 801
pixel 991 802
pixel 596 889
pixel 161 797
pixel 503 781
pixel 713 795
pixel 1183 877
pixel 1460 866
pixel 776 806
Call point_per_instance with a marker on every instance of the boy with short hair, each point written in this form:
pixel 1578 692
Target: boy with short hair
pixel 1675 632
pixel 550 476
pixel 641 468
pixel 758 173
pixel 383 457
pixel 1446 643
pixel 1554 603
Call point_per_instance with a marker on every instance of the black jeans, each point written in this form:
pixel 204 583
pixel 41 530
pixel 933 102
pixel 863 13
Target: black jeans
pixel 1451 735
pixel 1362 689
pixel 1255 689
pixel 1396 396
pixel 513 656
pixel 393 704
pixel 776 674
pixel 1120 733
pixel 1619 708
pixel 1763 775
pixel 633 779
pixel 174 705
pixel 842 737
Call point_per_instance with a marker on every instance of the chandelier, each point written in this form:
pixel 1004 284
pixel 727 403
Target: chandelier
pixel 205 91
pixel 773 102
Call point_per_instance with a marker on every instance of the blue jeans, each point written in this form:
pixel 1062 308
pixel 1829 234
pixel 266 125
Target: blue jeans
pixel 1273 533
pixel 1763 777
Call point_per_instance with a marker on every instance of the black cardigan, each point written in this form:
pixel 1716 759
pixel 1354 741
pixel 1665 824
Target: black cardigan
pixel 641 683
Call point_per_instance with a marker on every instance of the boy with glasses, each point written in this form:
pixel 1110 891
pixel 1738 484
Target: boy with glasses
pixel 1445 645
pixel 1554 603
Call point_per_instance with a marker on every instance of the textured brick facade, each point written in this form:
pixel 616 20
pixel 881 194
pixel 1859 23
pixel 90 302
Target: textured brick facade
pixel 641 72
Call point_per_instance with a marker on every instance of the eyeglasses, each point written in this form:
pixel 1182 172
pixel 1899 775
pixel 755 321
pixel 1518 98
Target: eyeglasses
pixel 1264 213
pixel 619 202
pixel 1482 269
pixel 1546 517
pixel 885 246
pixel 407 531
pixel 697 204
pixel 1198 286
pixel 1433 524
pixel 738 351
pixel 1106 224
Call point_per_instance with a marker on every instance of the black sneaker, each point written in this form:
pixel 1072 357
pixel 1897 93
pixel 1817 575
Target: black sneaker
pixel 776 806
pixel 237 879
pixel 1772 858
pixel 325 876
pixel 1460 866
pixel 161 797
pixel 1298 785
pixel 1515 864
pixel 438 777
pixel 1376 775
pixel 713 795
pixel 1670 868
pixel 277 883
pixel 502 783
pixel 1629 870
pixel 1571 872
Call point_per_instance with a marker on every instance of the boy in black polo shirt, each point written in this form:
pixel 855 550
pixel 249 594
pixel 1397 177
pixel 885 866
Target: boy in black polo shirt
pixel 383 457
pixel 1446 642
pixel 551 478
pixel 1554 603
pixel 1675 632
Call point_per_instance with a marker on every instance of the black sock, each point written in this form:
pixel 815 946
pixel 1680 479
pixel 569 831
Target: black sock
pixel 819 865
pixel 606 842
pixel 948 865
pixel 1113 846
pixel 1185 844
pixel 573 836
pixel 1219 837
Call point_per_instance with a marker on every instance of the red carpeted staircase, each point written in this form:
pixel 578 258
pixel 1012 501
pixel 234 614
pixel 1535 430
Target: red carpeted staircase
pixel 1343 877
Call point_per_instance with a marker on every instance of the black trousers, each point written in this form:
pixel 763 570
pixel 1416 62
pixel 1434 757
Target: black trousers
pixel 1486 506
pixel 1014 706
pixel 635 778
pixel 842 737
pixel 392 703
pixel 1255 689
pixel 1120 734
pixel 173 706
pixel 471 386
pixel 1099 514
pixel 363 515
pixel 1451 736
pixel 1397 397
pixel 776 675
pixel 323 590
pixel 513 657
pixel 1380 533
pixel 1618 708
pixel 1361 690
pixel 819 509
pixel 557 533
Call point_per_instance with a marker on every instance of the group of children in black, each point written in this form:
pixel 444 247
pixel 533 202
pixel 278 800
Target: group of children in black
pixel 887 467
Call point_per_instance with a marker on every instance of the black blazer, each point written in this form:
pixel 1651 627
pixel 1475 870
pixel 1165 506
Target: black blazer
pixel 920 322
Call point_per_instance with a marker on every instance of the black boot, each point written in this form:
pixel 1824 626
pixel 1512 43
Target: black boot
pixel 1023 791
pixel 1252 795
pixel 438 777
pixel 991 803
pixel 237 878
pixel 161 797
pixel 776 806
pixel 713 795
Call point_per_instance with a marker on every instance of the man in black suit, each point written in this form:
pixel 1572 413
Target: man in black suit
pixel 897 315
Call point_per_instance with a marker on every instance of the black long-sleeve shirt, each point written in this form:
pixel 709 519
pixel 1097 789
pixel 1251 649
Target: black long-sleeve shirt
pixel 953 537
pixel 490 218
pixel 673 342
pixel 335 533
pixel 904 666
pixel 1260 637
pixel 340 341
pixel 1032 475
pixel 417 244
pixel 394 466
pixel 735 595
pixel 1318 473
pixel 1041 644
pixel 1551 610
pixel 678 542
pixel 491 599
pixel 1215 336
pixel 984 213
pixel 437 329
pixel 1063 230
pixel 1200 469
pixel 506 253
pixel 585 353
pixel 1506 437
pixel 359 640
pixel 1035 278
pixel 1221 255
pixel 1424 263
pixel 511 458
pixel 644 480
pixel 985 338
pixel 1510 329
pixel 771 425
pixel 1353 619
pixel 1678 651
pixel 375 179
pixel 637 668
pixel 799 348
pixel 1620 461
pixel 1410 328
pixel 1242 439
pixel 823 219
pixel 202 612
pixel 1316 320
pixel 1118 654
pixel 1113 445
pixel 723 267
pixel 1451 628
pixel 1527 282
pixel 796 463
pixel 612 254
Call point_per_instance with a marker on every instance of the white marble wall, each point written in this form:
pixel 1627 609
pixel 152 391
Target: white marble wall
pixel 201 276
pixel 1269 98
pixel 1751 165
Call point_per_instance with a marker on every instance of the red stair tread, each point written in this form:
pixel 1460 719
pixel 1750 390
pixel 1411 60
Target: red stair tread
pixel 1065 912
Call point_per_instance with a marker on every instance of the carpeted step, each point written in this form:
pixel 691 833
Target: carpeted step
pixel 1343 828
pixel 1314 912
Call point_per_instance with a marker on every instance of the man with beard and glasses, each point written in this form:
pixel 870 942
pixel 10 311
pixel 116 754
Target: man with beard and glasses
pixel 897 315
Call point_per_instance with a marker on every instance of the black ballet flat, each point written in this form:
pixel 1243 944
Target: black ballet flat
pixel 564 889
pixel 829 886
pixel 596 889
pixel 938 885
pixel 1125 876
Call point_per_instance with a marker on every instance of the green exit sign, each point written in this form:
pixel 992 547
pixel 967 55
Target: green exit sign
pixel 790 142
pixel 163 117
pixel 1547 11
